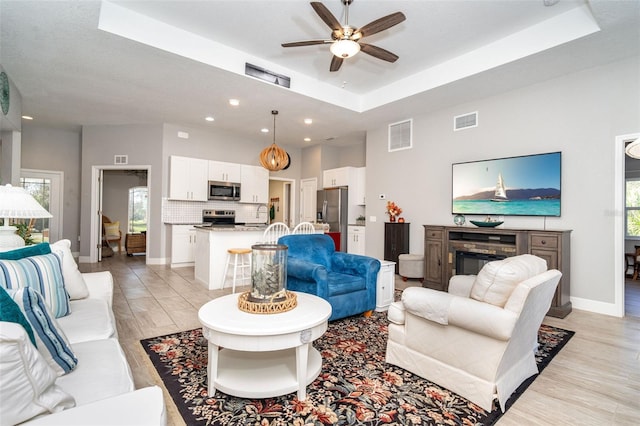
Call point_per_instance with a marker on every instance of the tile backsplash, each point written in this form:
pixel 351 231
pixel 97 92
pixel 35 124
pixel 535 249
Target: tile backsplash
pixel 191 211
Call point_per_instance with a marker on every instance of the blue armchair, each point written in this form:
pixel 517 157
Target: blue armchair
pixel 346 281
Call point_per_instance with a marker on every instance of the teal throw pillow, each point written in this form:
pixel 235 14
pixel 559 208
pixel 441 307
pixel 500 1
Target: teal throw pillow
pixel 26 251
pixel 10 312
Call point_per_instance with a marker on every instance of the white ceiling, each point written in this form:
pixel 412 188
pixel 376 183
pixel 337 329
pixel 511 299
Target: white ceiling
pixel 89 62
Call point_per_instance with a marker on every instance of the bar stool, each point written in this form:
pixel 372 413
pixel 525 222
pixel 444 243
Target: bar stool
pixel 239 261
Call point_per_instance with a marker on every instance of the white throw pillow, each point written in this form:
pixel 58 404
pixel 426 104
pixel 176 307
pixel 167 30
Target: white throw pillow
pixel 73 281
pixel 27 387
pixel 496 280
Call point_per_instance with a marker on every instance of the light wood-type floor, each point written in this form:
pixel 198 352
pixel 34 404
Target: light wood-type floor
pixel 594 380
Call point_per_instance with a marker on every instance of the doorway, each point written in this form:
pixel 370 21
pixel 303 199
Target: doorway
pixel 619 221
pixel 282 201
pixel 115 210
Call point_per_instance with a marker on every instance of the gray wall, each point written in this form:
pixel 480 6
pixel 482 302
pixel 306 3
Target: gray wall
pixel 48 148
pixel 579 114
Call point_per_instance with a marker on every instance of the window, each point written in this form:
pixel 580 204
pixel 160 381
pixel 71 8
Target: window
pixel 137 220
pixel 40 189
pixel 632 207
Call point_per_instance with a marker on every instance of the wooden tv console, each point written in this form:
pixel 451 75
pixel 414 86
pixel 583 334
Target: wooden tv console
pixel 441 243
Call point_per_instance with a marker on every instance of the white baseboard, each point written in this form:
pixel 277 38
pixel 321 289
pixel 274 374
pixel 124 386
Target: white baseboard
pixel 595 306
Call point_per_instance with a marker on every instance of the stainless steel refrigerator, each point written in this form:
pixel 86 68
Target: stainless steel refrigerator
pixel 332 208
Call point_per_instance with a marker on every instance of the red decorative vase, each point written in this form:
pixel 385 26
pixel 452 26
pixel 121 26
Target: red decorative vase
pixel 401 220
pixel 392 218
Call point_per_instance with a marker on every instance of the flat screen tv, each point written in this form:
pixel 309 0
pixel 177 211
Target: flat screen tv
pixel 528 185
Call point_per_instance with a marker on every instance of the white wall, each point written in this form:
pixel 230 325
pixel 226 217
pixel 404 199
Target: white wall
pixel 53 149
pixel 579 114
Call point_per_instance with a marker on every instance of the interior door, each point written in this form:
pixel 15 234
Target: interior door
pixel 99 211
pixel 308 190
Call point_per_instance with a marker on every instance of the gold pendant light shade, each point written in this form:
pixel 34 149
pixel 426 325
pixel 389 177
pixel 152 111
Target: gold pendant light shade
pixel 273 157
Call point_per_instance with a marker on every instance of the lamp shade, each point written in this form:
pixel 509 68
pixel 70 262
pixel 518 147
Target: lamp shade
pixel 344 48
pixel 17 203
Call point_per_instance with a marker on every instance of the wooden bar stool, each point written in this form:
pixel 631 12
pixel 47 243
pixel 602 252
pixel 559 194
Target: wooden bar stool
pixel 239 258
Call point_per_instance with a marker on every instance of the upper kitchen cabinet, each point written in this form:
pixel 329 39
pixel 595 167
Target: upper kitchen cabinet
pixel 254 184
pixel 342 176
pixel 224 172
pixel 188 178
pixel 360 188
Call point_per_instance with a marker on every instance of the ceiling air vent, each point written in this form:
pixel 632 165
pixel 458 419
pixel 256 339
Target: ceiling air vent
pixel 400 135
pixel 465 121
pixel 120 159
pixel 266 75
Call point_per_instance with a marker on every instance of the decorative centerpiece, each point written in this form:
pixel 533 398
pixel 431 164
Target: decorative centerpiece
pixel 268 293
pixel 487 223
pixel 361 220
pixel 393 210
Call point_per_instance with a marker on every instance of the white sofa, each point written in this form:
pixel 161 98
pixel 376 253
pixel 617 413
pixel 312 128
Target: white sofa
pixel 99 391
pixel 479 339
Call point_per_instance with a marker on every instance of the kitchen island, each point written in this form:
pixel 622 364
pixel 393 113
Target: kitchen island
pixel 212 244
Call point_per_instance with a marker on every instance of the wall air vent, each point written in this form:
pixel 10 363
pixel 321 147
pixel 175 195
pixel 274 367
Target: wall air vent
pixel 120 159
pixel 266 75
pixel 465 121
pixel 400 135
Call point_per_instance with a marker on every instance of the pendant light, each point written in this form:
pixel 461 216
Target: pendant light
pixel 273 157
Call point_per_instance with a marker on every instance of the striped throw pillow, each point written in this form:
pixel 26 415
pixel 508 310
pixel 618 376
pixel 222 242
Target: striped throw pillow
pixel 51 341
pixel 42 273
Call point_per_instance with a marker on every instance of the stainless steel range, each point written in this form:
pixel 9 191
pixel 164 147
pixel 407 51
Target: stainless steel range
pixel 218 217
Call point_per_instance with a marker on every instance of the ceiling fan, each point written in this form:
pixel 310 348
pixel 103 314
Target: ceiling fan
pixel 346 40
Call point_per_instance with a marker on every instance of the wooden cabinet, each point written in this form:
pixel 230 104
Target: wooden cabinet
pixel 554 248
pixel 254 184
pixel 386 285
pixel 446 248
pixel 223 172
pixel 396 241
pixel 183 245
pixel 356 241
pixel 188 178
pixel 434 256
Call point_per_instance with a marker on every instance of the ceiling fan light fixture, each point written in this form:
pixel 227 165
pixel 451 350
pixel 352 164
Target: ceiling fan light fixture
pixel 633 149
pixel 344 48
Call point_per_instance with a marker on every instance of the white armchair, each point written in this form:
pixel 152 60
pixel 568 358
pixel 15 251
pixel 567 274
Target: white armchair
pixel 479 339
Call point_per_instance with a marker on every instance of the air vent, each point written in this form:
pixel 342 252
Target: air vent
pixel 120 159
pixel 465 121
pixel 400 135
pixel 266 75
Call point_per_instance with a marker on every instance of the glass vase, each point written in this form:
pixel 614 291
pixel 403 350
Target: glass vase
pixel 268 273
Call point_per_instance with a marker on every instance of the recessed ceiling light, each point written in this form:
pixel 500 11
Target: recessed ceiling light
pixel 308 121
pixel 264 130
pixel 307 139
pixel 234 102
pixel 27 117
pixel 209 118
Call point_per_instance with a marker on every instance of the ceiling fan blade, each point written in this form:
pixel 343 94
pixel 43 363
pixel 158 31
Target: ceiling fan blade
pixel 305 43
pixel 326 16
pixel 381 24
pixel 336 62
pixel 378 52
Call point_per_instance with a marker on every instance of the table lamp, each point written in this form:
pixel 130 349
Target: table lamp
pixel 16 203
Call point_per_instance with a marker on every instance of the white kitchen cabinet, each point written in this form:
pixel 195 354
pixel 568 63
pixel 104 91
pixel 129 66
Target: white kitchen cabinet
pixel 385 291
pixel 359 189
pixel 188 178
pixel 254 184
pixel 356 239
pixel 338 177
pixel 183 245
pixel 224 172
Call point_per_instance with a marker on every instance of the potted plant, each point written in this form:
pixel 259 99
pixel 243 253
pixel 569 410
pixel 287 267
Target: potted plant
pixel 360 220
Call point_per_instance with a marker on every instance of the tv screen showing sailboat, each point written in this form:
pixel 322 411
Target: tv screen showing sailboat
pixel 528 185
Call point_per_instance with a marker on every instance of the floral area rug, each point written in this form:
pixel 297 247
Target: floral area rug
pixel 355 386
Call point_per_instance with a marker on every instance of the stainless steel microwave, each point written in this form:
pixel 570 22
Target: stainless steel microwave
pixel 228 191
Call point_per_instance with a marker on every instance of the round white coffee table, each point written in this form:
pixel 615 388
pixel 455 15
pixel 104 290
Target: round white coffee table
pixel 263 355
